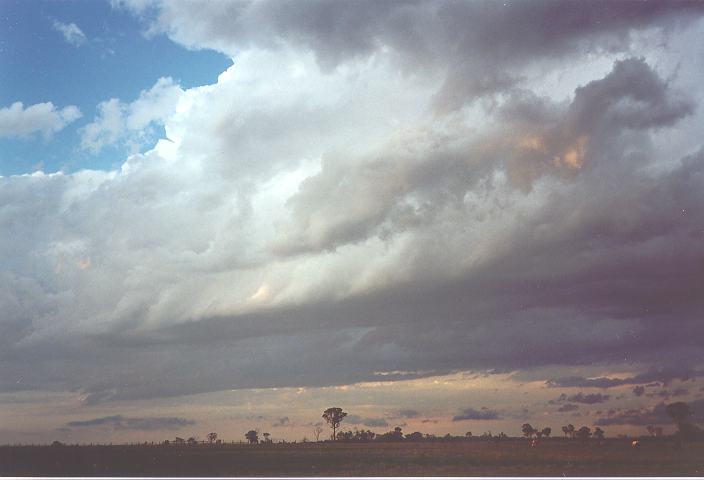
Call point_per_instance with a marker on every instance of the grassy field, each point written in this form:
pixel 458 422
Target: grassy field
pixel 510 458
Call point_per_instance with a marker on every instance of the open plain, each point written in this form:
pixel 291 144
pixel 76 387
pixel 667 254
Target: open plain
pixel 514 457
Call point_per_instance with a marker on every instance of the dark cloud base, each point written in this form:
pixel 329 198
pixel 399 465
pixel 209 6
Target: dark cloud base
pixel 472 414
pixel 119 422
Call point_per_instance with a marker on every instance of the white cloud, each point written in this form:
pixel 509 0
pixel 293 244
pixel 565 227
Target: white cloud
pixel 18 121
pixel 106 129
pixel 131 123
pixel 72 34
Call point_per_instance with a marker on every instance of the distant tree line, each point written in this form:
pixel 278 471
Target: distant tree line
pixel 680 412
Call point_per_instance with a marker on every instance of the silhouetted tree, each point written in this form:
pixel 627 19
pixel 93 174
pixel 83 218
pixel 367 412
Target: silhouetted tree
pixel 598 434
pixel 266 436
pixel 394 435
pixel 568 430
pixel 679 412
pixel 334 416
pixel 212 436
pixel 345 436
pixel 528 430
pixel 414 437
pixel 363 435
pixel 682 414
pixel 252 436
pixel 192 441
pixel 584 433
pixel 546 432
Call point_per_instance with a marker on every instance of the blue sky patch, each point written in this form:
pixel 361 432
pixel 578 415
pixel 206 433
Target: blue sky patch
pixel 43 58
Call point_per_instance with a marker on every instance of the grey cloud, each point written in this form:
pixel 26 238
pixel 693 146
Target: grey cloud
pixel 643 416
pixel 409 413
pixel 680 391
pixel 375 422
pixel 353 419
pixel 558 400
pixel 481 47
pixel 568 407
pixel 418 255
pixel 589 398
pixel 647 416
pixel 281 422
pixel 403 187
pixel 120 422
pixel 631 97
pixel 472 414
pixel 367 422
pixel 660 375
pixel 638 390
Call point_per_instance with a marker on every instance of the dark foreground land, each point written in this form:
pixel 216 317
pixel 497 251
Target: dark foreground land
pixel 509 458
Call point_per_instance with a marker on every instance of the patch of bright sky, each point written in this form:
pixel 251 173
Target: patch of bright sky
pixel 40 416
pixel 117 60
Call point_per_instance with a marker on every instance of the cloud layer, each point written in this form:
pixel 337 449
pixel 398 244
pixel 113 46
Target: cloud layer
pixel 368 189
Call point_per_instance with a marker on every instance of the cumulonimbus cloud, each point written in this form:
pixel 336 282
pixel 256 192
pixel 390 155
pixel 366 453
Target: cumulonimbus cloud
pixel 316 214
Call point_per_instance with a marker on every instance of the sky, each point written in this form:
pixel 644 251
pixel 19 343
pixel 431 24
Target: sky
pixel 445 216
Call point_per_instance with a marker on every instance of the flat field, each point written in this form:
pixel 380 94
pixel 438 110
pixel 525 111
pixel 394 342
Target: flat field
pixel 555 457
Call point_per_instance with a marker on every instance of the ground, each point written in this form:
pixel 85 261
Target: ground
pixel 556 457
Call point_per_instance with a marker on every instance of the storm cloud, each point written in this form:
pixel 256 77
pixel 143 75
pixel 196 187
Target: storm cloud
pixel 375 187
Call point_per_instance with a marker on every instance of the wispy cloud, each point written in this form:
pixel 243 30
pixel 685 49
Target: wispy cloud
pixel 71 32
pixel 472 414
pixel 367 422
pixel 282 422
pixel 660 375
pixel 119 422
